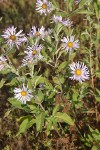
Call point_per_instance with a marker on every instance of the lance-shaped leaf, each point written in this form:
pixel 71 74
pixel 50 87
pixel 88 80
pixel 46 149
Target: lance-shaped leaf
pixel 40 121
pixel 17 104
pixel 2 82
pixel 64 117
pixel 56 108
pixel 23 126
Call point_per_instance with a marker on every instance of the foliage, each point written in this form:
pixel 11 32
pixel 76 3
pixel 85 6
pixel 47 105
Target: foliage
pixel 57 100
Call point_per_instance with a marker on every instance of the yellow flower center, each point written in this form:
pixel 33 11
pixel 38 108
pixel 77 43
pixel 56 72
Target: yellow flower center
pixel 13 37
pixel 23 93
pixel 44 6
pixel 70 44
pixel 78 72
pixel 37 33
pixel 34 52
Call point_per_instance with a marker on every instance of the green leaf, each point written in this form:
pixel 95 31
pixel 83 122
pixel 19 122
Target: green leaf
pixel 9 52
pixel 13 82
pixel 37 80
pixel 2 83
pixel 57 30
pixel 62 65
pixel 95 148
pixel 55 3
pixel 27 122
pixel 40 95
pixel 17 104
pixel 85 12
pixel 98 91
pixel 63 14
pixel 32 107
pixel 40 121
pixel 82 3
pixel 64 117
pixel 5 71
pixel 97 98
pixel 23 126
pixel 97 95
pixel 72 56
pixel 50 124
pixel 75 95
pixel 51 95
pixel 7 113
pixel 49 127
pixel 97 10
pixel 56 108
pixel 56 80
pixel 70 4
pixel 33 121
pixel 97 73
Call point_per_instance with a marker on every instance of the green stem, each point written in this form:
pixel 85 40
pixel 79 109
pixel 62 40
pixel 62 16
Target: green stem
pixel 91 69
pixel 39 103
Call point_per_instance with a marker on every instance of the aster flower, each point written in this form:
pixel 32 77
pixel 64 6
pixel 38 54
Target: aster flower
pixel 69 44
pixel 40 32
pixel 27 61
pixel 43 7
pixel 79 72
pixel 58 19
pixel 13 38
pixel 2 62
pixel 23 94
pixel 33 51
pixel 33 54
pixel 77 1
pixel 67 22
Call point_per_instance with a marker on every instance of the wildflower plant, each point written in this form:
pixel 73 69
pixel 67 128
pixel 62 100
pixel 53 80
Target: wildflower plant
pixel 54 66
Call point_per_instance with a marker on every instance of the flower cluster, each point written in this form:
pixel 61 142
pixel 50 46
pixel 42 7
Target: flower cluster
pixel 79 71
pixel 14 39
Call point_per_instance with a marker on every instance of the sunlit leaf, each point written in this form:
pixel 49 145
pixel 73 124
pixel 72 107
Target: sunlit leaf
pixel 64 117
pixel 23 126
pixel 2 82
pixel 40 121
